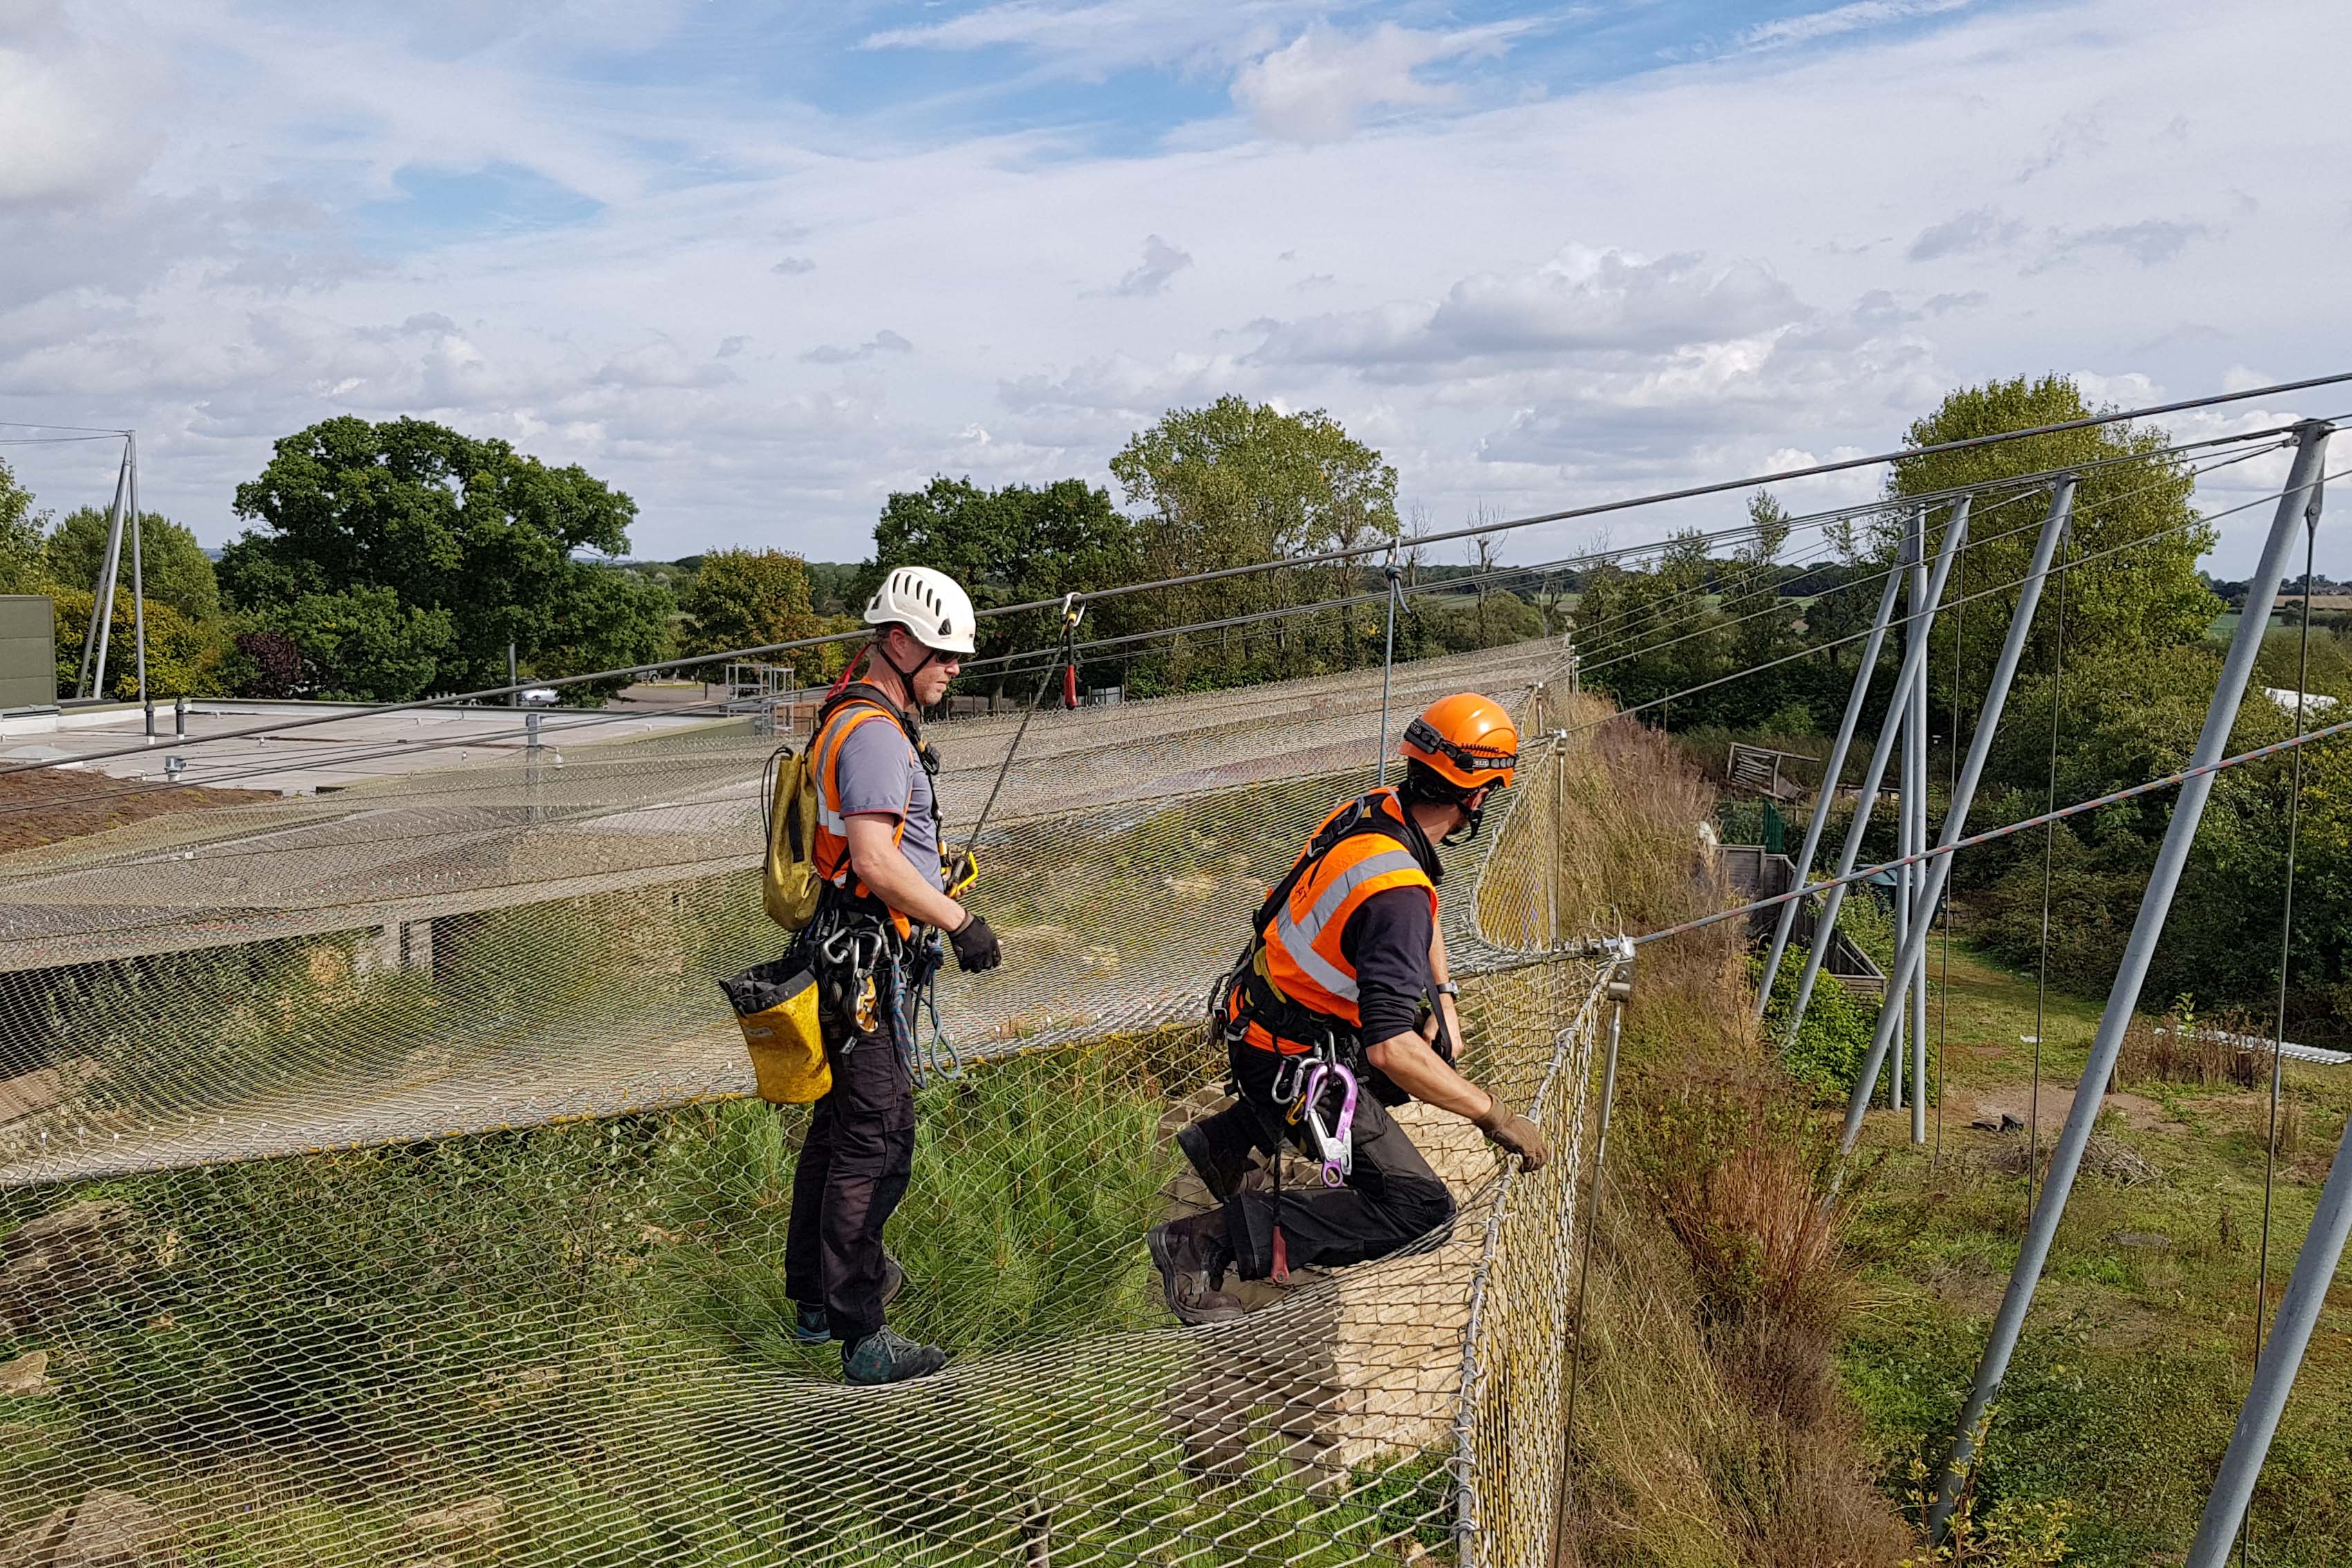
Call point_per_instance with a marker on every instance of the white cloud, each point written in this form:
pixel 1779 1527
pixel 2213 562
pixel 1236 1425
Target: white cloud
pixel 1316 87
pixel 1582 302
pixel 1741 287
pixel 885 342
pixel 71 108
pixel 1161 262
pixel 1840 19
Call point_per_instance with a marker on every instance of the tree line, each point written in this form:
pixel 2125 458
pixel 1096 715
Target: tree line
pixel 388 561
pixel 2128 667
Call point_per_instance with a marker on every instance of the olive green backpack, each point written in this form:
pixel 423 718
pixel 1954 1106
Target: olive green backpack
pixel 788 878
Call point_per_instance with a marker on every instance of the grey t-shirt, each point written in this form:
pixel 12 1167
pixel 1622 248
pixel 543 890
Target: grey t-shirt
pixel 878 771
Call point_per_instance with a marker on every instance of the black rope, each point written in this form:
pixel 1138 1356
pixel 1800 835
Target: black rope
pixel 1072 612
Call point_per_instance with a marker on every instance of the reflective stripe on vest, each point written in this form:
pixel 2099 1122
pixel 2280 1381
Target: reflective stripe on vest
pixel 832 847
pixel 1302 953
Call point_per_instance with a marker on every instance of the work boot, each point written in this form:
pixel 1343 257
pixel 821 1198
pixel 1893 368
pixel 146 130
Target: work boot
pixel 1193 1255
pixel 1218 1173
pixel 814 1326
pixel 886 1355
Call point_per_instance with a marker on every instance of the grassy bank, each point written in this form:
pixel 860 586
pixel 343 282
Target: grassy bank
pixel 2120 1399
pixel 1712 1428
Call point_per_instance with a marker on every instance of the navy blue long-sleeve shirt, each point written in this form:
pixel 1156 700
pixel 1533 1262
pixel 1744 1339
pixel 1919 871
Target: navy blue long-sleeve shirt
pixel 1387 942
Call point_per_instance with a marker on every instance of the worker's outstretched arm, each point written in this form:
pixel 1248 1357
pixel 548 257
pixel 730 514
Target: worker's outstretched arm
pixel 1420 1073
pixel 874 853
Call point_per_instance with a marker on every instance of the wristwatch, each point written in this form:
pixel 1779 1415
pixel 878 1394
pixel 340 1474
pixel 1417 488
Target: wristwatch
pixel 1447 988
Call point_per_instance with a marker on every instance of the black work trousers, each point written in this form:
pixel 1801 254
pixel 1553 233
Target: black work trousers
pixel 1392 1197
pixel 852 1172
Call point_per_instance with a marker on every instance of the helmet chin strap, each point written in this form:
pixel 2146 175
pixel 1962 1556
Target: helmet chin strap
pixel 1473 817
pixel 906 677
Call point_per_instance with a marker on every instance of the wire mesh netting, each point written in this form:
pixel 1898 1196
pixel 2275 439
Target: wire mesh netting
pixel 378 1180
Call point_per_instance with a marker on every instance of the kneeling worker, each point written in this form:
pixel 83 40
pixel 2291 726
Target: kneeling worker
pixel 877 851
pixel 1346 950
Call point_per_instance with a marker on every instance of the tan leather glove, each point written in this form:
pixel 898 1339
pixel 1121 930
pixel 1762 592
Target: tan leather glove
pixel 1513 1135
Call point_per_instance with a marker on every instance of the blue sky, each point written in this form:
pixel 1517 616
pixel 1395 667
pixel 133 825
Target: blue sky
pixel 759 265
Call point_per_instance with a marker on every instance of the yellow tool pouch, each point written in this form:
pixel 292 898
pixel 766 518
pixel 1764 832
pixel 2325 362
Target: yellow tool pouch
pixel 776 1007
pixel 789 884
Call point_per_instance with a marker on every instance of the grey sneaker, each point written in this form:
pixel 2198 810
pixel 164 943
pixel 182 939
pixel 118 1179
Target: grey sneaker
pixel 1191 1256
pixel 886 1355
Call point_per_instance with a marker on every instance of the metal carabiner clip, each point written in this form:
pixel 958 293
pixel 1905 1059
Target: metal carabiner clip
pixel 1334 1142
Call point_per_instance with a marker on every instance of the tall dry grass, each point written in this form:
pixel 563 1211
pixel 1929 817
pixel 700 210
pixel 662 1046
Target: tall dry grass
pixel 1717 1430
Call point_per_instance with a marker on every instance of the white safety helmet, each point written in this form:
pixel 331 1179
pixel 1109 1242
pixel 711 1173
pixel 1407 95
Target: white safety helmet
pixel 929 603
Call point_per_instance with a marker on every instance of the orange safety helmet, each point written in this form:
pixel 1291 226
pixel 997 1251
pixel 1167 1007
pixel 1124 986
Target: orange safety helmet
pixel 1465 739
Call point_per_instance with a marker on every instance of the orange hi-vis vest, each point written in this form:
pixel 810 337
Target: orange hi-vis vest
pixel 831 849
pixel 1298 957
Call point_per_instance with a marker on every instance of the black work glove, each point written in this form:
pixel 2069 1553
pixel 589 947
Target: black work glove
pixel 1515 1134
pixel 976 947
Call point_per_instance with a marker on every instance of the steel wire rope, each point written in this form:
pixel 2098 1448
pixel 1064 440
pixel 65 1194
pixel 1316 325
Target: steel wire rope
pixel 2049 853
pixel 593 717
pixel 1982 594
pixel 2062 814
pixel 1969 545
pixel 2078 562
pixel 1722 487
pixel 37 425
pixel 2286 936
pixel 457 699
pixel 1354 600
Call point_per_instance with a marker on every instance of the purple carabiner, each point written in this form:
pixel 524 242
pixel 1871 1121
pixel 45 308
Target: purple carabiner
pixel 1334 1143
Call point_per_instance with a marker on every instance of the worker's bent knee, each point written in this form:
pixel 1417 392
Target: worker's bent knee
pixel 1420 1207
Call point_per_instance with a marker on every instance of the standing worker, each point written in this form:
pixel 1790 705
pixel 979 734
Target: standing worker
pixel 874 945
pixel 1346 968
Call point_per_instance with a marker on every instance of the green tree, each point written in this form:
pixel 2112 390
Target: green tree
pixel 174 567
pixel 466 535
pixel 1009 546
pixel 744 599
pixel 2139 600
pixel 362 645
pixel 23 569
pixel 185 657
pixel 1238 482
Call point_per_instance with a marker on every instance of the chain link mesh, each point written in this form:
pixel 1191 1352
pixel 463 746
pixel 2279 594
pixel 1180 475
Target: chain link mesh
pixel 378 1181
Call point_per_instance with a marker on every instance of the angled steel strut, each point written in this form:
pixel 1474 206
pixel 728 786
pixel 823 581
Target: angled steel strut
pixel 2066 1158
pixel 1936 873
pixel 1914 661
pixel 1832 771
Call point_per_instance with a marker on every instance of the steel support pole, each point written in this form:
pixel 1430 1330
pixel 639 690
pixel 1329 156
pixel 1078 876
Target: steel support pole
pixel 1922 908
pixel 1388 665
pixel 2258 1420
pixel 1910 958
pixel 1907 801
pixel 1826 796
pixel 1907 789
pixel 138 583
pixel 2189 808
pixel 1915 669
pixel 93 643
